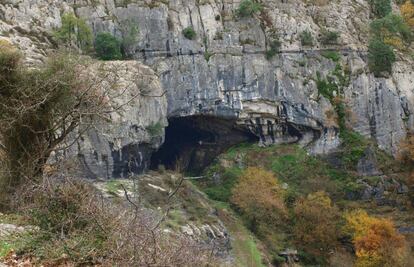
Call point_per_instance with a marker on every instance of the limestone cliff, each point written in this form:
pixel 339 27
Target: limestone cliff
pixel 224 72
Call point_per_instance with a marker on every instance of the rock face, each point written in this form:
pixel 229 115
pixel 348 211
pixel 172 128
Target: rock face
pixel 124 144
pixel 224 72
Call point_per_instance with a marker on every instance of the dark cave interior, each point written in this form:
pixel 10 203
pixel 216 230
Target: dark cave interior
pixel 193 142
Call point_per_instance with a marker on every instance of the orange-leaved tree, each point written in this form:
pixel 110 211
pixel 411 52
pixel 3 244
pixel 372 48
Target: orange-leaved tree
pixel 376 241
pixel 259 197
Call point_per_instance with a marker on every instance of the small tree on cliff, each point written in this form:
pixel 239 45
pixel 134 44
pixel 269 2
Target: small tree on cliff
pixel 75 32
pixel 41 107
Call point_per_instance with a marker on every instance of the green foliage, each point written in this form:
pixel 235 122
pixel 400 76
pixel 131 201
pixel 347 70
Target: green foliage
pixel 189 33
pixel 222 191
pixel 5 248
pixel 155 129
pixel 333 55
pixel 130 34
pixel 329 37
pixel 107 46
pixel 380 57
pixel 274 46
pixel 326 88
pixel 306 38
pixel 391 26
pixel 353 147
pixel 248 7
pixel 75 31
pixel 380 8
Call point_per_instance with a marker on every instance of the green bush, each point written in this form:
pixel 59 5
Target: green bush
pixel 247 8
pixel 274 47
pixel 107 46
pixel 189 33
pixel 306 38
pixel 333 55
pixel 391 26
pixel 329 37
pixel 155 129
pixel 327 87
pixel 380 57
pixel 380 8
pixel 75 31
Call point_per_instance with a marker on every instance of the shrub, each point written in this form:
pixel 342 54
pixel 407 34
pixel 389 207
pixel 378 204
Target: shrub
pixel 130 34
pixel 222 191
pixel 306 38
pixel 376 241
pixel 332 55
pixel 107 47
pixel 391 27
pixel 248 7
pixel 155 129
pixel 267 206
pixel 316 223
pixel 407 12
pixel 189 33
pixel 75 31
pixel 274 46
pixel 329 37
pixel 75 220
pixel 326 87
pixel 380 57
pixel 40 108
pixel 380 8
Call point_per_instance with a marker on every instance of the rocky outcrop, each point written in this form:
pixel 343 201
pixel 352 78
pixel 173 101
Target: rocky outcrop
pixel 123 143
pixel 224 72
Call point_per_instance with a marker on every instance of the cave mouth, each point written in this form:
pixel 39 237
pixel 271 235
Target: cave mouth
pixel 193 142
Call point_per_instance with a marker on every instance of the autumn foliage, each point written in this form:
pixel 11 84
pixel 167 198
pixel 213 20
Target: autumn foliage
pixel 376 241
pixel 316 223
pixel 407 12
pixel 259 196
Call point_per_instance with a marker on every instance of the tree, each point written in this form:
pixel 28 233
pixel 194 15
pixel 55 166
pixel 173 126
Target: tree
pixel 407 12
pixel 107 47
pixel 316 223
pixel 380 8
pixel 376 241
pixel 41 107
pixel 130 34
pixel 380 57
pixel 248 7
pixel 75 32
pixel 259 197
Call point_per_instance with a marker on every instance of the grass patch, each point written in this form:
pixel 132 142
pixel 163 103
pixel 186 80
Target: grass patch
pixel 5 248
pixel 332 55
pixel 244 246
pixel 222 191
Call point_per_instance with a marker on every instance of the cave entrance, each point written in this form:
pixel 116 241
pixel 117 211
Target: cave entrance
pixel 192 143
